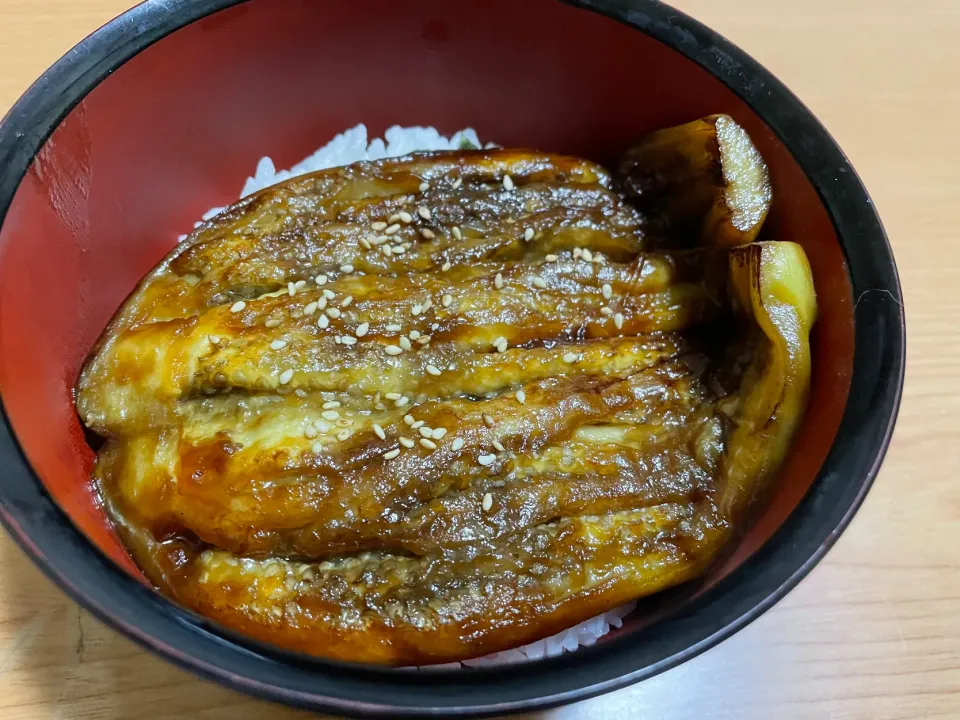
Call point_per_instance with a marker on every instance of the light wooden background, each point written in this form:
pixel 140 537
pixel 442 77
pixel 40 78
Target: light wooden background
pixel 874 632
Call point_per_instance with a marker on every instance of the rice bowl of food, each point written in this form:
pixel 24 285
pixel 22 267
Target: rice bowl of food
pixel 552 402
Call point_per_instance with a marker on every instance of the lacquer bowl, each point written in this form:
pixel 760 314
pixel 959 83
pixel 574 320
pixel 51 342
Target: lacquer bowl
pixel 162 114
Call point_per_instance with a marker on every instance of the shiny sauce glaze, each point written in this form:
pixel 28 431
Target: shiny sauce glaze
pixel 424 409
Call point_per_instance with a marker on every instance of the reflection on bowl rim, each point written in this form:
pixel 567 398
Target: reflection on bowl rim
pixel 64 554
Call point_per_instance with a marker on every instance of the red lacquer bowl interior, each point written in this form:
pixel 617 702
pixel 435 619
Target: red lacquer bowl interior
pixel 178 128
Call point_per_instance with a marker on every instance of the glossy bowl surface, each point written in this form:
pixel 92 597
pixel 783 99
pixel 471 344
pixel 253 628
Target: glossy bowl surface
pixel 161 115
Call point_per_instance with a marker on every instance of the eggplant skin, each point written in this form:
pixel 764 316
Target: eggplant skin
pixel 705 180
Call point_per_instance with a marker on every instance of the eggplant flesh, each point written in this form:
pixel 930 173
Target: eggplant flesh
pixel 515 419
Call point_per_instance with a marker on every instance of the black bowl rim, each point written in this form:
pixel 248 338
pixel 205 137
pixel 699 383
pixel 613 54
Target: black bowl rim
pixel 74 563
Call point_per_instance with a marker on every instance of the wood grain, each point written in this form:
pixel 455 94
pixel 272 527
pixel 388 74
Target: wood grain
pixel 874 632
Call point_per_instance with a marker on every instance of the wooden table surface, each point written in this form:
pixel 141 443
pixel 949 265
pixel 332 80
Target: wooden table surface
pixel 874 631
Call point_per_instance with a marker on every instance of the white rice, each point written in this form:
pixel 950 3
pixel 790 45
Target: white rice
pixel 352 146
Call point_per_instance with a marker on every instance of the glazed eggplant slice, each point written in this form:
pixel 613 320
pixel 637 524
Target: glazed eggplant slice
pixel 770 284
pixel 262 485
pixel 461 604
pixel 705 179
pixel 428 408
pixel 373 333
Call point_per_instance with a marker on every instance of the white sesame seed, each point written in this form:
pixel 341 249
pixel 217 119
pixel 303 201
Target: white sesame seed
pixel 333 312
pixel 393 328
pixel 271 322
pixel 499 341
pixel 487 502
pixel 378 226
pixel 425 431
pixel 401 402
pixel 457 443
pixel 424 212
pixel 348 340
pixel 310 309
pixel 391 454
pixel 291 289
pixel 438 433
pixel 607 291
pixel 551 258
pixel 362 329
pixel 343 435
pixel 521 397
pixel 214 339
pixel 405 342
pixel 392 230
pixel 413 334
pixel 507 182
pixel 408 419
pixel 393 396
pixel 447 300
pixel 570 357
pixel 321 426
pixel 399 249
pixel 320 279
pixel 328 294
pixel 427 234
pixel 433 370
pixel 286 376
pixel 387 250
pixel 300 284
pixel 322 303
pixel 446 266
pixel 606 311
pixel 330 415
pixel 365 244
pixel 406 442
pixel 428 304
pixel 346 301
pixel 428 444
pixel 486 459
pixel 316 448
pixel 416 424
pixel 416 309
pixel 498 445
pixel 278 344
pixel 618 321
pixel 457 232
pixel 539 282
pixel 379 431
pixel 323 321
pixel 406 217
pixel 457 183
pixel 587 255
pixel 310 433
pixel 238 306
pixel 498 281
pixel 347 268
pixel 393 218
pixel 424 186
pixel 488 420
pixel 528 234
pixel 330 404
